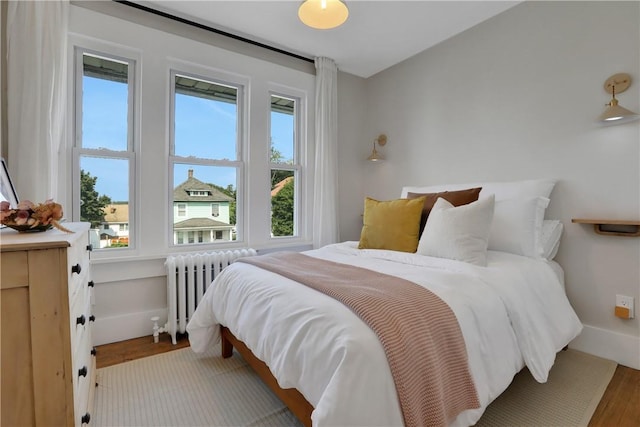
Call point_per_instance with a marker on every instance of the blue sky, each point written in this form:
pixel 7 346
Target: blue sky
pixel 204 128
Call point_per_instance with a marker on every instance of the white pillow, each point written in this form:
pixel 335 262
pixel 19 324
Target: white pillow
pixel 517 226
pixel 502 190
pixel 459 233
pixel 550 238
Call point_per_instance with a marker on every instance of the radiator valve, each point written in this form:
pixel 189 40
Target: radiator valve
pixel 157 330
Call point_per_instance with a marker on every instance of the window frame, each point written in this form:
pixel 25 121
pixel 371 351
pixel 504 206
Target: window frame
pixel 241 84
pixel 132 58
pixel 299 143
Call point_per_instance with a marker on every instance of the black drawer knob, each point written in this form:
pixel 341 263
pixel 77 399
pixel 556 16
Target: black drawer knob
pixel 81 320
pixel 90 284
pixel 82 372
pixel 92 318
pixel 86 418
pixel 94 351
pixel 76 269
pixel 89 247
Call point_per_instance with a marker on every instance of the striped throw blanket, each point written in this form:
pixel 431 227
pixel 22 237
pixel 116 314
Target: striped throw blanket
pixel 418 331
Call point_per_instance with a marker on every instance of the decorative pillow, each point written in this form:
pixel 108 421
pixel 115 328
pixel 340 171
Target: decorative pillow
pixel 502 190
pixel 456 198
pixel 392 224
pixel 459 233
pixel 550 238
pixel 517 226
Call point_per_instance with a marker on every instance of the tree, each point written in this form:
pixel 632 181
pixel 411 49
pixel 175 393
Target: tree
pixel 92 204
pixel 282 211
pixel 278 175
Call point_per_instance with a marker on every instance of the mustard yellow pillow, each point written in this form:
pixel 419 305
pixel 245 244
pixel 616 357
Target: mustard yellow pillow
pixel 392 224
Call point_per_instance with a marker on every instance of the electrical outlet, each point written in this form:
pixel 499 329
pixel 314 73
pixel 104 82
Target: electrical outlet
pixel 625 302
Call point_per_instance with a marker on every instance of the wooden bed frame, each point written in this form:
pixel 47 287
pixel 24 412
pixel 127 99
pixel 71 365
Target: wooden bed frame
pixel 291 397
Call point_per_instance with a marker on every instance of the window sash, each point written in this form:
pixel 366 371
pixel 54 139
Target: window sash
pixel 237 163
pixel 78 151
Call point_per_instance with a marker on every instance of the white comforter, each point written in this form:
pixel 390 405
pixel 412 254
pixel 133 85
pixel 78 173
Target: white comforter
pixel 512 312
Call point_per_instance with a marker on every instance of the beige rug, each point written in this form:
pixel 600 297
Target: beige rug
pixel 181 388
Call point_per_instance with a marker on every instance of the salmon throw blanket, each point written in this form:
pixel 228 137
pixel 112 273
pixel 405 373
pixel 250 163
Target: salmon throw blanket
pixel 418 331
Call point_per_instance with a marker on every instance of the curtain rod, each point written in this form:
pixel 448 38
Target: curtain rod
pixel 213 30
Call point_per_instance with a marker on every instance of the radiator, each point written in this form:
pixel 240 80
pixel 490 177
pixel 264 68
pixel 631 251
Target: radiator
pixel 188 277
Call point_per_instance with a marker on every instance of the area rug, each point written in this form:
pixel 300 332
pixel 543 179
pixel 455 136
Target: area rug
pixel 181 388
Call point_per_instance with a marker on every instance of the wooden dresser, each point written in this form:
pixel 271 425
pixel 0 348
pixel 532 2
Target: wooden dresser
pixel 48 364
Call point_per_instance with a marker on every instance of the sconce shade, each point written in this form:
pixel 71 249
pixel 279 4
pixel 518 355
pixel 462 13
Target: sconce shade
pixel 614 113
pixel 375 157
pixel 323 14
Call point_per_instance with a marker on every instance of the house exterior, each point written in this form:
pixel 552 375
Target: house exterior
pixel 115 228
pixel 201 213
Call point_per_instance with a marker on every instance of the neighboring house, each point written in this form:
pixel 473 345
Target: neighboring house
pixel 114 231
pixel 201 213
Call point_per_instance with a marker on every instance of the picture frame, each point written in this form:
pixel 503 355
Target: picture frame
pixel 7 190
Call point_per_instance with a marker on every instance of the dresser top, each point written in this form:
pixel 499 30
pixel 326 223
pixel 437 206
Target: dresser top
pixel 11 240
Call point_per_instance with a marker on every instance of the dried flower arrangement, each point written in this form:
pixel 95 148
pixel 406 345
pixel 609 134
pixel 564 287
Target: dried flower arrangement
pixel 28 216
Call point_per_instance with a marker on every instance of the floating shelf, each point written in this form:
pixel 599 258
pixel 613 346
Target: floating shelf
pixel 612 227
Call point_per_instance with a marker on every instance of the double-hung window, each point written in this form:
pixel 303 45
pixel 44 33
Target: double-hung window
pixel 205 159
pixel 284 165
pixel 104 157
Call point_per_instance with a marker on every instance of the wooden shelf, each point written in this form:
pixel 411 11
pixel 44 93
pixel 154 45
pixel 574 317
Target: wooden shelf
pixel 612 227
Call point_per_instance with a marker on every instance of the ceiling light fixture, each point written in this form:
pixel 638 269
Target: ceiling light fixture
pixel 614 113
pixel 323 14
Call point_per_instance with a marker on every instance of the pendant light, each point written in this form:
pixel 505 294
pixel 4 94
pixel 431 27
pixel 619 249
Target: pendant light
pixel 323 14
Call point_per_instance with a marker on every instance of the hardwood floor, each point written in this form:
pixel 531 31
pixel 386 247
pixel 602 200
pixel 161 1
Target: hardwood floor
pixel 619 407
pixel 123 351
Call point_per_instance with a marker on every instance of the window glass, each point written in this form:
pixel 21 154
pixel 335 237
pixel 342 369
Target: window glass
pixel 206 119
pixel 104 148
pixel 205 127
pixel 283 151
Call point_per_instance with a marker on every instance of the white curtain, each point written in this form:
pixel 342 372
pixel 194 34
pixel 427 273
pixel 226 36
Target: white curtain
pixel 325 221
pixel 36 96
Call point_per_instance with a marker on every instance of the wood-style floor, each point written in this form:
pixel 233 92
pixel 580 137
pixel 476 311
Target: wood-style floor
pixel 619 407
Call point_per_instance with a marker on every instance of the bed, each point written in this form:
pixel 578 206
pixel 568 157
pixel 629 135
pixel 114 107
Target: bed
pixel 330 367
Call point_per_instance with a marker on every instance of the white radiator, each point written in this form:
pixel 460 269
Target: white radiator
pixel 188 277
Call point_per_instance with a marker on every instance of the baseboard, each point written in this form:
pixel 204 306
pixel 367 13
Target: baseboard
pixel 622 348
pixel 119 328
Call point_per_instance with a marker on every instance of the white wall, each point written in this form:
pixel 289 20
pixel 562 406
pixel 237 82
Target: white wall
pixel 131 284
pixel 517 97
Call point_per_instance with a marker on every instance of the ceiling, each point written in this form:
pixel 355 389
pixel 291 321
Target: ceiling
pixel 377 34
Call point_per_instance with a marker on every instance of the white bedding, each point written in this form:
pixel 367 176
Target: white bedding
pixel 512 312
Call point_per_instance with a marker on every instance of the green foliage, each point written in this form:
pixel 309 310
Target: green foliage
pixel 282 211
pixel 278 175
pixel 91 208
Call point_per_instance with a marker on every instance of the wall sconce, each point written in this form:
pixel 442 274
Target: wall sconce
pixel 323 14
pixel 614 113
pixel 381 140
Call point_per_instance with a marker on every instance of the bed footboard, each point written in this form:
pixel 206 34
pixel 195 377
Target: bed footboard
pixel 291 397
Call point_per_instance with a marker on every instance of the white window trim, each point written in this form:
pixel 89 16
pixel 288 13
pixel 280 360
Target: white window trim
pixel 80 45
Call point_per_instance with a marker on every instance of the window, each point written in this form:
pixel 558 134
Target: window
pixel 205 156
pixel 284 166
pixel 104 156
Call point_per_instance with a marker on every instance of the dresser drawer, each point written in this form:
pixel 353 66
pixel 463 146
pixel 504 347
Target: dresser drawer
pixel 80 322
pixel 78 264
pixel 13 270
